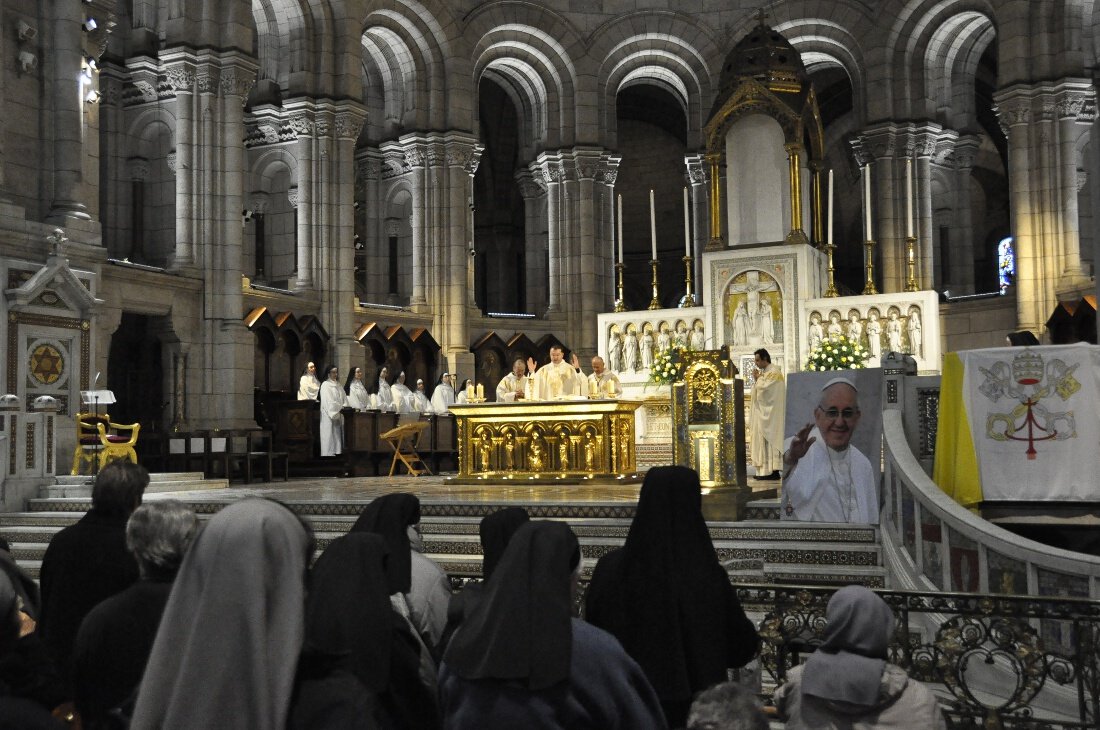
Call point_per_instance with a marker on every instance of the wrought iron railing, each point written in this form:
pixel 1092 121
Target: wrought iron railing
pixel 996 661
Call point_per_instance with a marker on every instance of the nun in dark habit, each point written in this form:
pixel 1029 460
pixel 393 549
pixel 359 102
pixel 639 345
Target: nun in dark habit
pixel 359 669
pixel 496 531
pixel 419 584
pixel 665 596
pixel 520 659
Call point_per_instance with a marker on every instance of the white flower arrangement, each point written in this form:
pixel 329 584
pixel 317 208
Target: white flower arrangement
pixel 837 353
pixel 667 365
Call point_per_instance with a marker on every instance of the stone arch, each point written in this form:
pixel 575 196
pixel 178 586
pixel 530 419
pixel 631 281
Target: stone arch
pixel 530 50
pixel 272 175
pixel 680 58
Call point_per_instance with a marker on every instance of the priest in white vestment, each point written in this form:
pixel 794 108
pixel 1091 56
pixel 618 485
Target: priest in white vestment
pixel 308 385
pixel 558 379
pixel 385 394
pixel 420 402
pixel 358 397
pixel 826 478
pixel 443 397
pixel 402 396
pixel 769 403
pixel 511 386
pixel 333 399
pixel 603 381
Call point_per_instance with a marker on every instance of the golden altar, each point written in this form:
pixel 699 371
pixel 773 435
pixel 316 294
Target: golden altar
pixel 546 441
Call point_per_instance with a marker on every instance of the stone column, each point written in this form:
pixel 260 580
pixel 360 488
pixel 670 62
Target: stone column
pixel 533 190
pixel 588 260
pixel 302 124
pixel 1075 109
pixel 609 174
pixel 65 104
pixel 375 236
pixel 339 193
pixel 180 76
pixel 138 169
pixel 879 147
pixel 415 159
pixel 462 156
pixel 961 252
pixel 698 170
pixel 549 167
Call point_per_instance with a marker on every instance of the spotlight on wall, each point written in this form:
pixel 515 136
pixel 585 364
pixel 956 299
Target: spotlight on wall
pixel 27 32
pixel 89 25
pixel 246 216
pixel 27 61
pixel 92 97
pixel 358 243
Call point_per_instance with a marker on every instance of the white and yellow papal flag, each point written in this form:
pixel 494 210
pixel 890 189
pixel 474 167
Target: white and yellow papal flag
pixel 1020 424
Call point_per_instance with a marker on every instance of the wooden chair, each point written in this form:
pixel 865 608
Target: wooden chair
pixel 404 440
pixel 100 439
pixel 254 451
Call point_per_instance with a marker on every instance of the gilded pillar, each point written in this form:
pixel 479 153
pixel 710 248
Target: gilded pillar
pixel 714 161
pixel 794 160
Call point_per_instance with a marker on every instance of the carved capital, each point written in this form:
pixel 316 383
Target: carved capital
pixel 260 202
pixel 170 160
pixel 236 82
pixel 300 125
pixel 206 81
pixel 292 196
pixel 138 168
pixel 349 125
pixel 180 79
pixel 415 156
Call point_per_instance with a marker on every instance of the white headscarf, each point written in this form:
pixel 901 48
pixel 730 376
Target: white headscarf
pixel 228 644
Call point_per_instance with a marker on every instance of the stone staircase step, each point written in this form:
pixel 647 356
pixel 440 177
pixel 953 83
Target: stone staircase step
pixel 77 487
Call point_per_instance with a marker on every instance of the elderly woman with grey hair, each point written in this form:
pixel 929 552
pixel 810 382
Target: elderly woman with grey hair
pixel 114 640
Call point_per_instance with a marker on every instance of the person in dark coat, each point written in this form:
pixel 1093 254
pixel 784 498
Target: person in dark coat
pixel 496 531
pixel 359 668
pixel 88 561
pixel 17 711
pixel 115 639
pixel 520 660
pixel 665 596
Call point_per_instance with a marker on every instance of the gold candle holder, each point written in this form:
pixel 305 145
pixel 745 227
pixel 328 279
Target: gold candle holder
pixel 689 295
pixel 911 264
pixel 869 265
pixel 620 305
pixel 831 291
pixel 655 302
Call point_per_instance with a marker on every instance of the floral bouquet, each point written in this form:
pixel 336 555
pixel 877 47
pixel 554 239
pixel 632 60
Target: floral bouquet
pixel 668 365
pixel 837 353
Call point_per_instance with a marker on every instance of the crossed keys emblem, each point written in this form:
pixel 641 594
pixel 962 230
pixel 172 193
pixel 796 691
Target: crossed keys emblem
pixel 1028 381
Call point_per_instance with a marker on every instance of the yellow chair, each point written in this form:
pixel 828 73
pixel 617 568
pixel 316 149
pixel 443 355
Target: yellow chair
pixel 98 437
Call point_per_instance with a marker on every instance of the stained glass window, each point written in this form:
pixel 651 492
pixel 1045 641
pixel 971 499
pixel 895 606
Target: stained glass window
pixel 1006 263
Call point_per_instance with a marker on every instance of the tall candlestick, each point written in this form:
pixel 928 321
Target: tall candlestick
pixel 652 225
pixel 687 226
pixel 620 231
pixel 867 202
pixel 909 196
pixel 829 235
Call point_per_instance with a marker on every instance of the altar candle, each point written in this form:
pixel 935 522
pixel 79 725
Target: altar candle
pixel 480 391
pixel 620 231
pixel 867 202
pixel 687 226
pixel 469 391
pixel 652 225
pixel 909 197
pixel 829 238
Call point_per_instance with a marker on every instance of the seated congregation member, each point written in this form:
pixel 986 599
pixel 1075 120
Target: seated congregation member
pixel 665 596
pixel 333 400
pixel 116 637
pixel 496 532
pixel 848 682
pixel 88 561
pixel 17 711
pixel 443 397
pixel 726 706
pixel 229 639
pixel 520 660
pixel 419 584
pixel 360 666
pixel 356 391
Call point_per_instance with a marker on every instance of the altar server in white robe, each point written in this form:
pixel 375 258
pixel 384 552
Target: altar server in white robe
pixel 333 399
pixel 308 385
pixel 558 379
pixel 358 398
pixel 402 396
pixel 513 383
pixel 420 402
pixel 603 381
pixel 769 402
pixel 443 397
pixel 826 478
pixel 385 395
